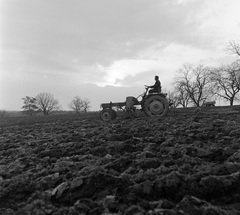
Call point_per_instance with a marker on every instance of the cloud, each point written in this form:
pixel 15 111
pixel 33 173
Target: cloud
pixel 217 22
pixel 84 29
pixel 157 59
pixel 121 69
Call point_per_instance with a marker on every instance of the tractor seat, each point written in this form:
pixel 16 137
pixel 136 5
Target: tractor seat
pixel 155 91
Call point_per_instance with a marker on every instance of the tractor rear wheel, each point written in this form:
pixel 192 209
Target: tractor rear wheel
pixel 107 114
pixel 156 106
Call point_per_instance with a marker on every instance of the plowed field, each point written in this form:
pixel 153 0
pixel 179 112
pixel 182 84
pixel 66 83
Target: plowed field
pixel 185 163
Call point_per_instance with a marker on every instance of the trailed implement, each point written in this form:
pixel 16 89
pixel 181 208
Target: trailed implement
pixel 208 104
pixel 152 104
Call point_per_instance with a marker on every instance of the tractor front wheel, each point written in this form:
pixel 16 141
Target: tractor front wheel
pixel 107 114
pixel 156 106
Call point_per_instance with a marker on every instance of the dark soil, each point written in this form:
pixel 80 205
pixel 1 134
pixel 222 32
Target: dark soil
pixel 180 164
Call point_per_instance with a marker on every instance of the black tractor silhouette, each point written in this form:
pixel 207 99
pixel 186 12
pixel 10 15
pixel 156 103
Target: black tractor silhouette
pixel 152 104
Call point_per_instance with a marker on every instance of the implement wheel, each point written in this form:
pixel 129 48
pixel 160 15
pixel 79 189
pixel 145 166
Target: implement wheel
pixel 156 106
pixel 107 114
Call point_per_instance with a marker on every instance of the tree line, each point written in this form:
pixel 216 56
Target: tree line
pixel 194 84
pixel 46 103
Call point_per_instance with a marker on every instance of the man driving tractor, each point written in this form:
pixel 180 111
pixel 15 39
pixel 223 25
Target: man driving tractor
pixel 156 88
pixel 152 104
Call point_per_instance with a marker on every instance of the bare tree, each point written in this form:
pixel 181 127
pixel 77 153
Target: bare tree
pixel 47 103
pixel 182 95
pixel 29 106
pixel 233 48
pixel 226 82
pixel 86 105
pixel 195 81
pixel 78 104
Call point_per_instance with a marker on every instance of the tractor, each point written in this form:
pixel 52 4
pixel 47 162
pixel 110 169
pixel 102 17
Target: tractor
pixel 152 104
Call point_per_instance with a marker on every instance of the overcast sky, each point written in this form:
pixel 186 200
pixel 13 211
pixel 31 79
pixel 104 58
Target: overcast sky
pixel 105 50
